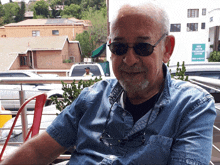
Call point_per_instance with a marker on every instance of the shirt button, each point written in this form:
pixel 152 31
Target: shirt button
pixel 124 114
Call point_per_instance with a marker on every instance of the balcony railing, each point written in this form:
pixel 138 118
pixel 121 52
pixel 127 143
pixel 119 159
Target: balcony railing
pixel 209 83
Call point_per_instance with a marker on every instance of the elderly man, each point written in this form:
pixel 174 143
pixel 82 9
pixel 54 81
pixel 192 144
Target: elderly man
pixel 142 116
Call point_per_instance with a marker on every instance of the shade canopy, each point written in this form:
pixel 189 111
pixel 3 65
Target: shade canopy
pixel 97 52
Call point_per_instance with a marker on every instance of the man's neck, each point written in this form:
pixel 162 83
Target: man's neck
pixel 140 97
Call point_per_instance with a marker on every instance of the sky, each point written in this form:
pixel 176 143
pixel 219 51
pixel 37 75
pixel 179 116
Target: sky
pixel 6 1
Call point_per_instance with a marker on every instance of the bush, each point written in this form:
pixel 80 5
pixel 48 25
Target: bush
pixel 214 56
pixel 67 61
pixel 180 72
pixel 71 92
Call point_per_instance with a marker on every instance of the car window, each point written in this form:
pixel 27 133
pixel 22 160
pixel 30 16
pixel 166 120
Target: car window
pixel 79 70
pixel 19 75
pixel 5 75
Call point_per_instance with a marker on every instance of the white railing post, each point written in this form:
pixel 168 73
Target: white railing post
pixel 23 114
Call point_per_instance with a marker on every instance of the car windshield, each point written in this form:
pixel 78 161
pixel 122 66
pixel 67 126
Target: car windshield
pixel 79 70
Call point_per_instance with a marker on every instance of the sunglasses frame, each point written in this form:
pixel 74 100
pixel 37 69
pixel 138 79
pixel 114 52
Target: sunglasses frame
pixel 136 49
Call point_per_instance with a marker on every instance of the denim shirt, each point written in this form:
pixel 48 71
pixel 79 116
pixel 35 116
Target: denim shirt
pixel 177 130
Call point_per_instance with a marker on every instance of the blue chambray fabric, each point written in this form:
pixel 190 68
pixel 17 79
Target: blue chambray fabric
pixel 179 129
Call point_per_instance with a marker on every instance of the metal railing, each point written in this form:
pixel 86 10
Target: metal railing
pixel 213 84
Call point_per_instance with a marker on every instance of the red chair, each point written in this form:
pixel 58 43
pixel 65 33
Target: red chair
pixel 39 104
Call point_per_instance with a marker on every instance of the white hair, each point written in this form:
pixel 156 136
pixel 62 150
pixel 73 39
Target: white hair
pixel 151 9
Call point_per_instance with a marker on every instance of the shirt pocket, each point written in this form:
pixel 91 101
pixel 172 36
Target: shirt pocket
pixel 155 151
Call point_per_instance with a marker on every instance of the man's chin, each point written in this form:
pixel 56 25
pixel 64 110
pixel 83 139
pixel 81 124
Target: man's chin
pixel 134 87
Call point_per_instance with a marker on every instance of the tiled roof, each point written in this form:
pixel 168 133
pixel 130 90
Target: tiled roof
pixel 55 21
pixel 10 47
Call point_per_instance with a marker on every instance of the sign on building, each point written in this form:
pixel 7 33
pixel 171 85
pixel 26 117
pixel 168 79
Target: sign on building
pixel 198 52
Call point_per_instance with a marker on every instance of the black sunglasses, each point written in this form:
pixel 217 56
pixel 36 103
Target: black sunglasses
pixel 142 49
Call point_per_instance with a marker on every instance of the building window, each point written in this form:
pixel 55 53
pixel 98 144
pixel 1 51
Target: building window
pixel 35 33
pixel 175 27
pixel 192 27
pixel 72 59
pixel 211 19
pixel 192 13
pixel 203 25
pixel 23 60
pixel 203 11
pixel 55 32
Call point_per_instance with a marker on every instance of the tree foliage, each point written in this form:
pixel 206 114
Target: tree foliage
pixel 95 4
pixel 21 12
pixel 73 10
pixel 214 56
pixel 2 13
pixel 86 43
pixel 11 12
pixel 96 35
pixel 42 8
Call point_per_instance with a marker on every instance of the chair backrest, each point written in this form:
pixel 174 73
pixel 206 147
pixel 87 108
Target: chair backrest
pixel 40 101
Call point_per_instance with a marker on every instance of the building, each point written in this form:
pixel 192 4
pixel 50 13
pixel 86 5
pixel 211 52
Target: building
pixel 194 23
pixel 45 27
pixel 38 53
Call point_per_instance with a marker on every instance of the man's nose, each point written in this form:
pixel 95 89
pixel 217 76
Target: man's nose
pixel 131 58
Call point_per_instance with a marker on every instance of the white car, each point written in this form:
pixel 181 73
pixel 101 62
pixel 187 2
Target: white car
pixel 78 70
pixel 208 69
pixel 9 94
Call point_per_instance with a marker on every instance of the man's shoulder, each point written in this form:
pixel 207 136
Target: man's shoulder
pixel 187 89
pixel 106 83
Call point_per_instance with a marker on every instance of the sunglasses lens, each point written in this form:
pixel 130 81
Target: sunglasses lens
pixel 144 49
pixel 118 48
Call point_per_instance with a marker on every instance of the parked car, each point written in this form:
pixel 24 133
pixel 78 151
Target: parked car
pixel 78 70
pixel 9 94
pixel 209 69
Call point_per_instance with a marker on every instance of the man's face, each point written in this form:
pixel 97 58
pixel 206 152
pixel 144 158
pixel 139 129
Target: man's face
pixel 87 71
pixel 137 73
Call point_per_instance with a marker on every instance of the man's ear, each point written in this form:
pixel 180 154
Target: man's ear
pixel 169 46
pixel 109 40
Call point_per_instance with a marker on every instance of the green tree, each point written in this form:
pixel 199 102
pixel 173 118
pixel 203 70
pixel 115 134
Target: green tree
pixel 11 12
pixel 86 43
pixel 72 10
pixel 42 8
pixel 96 4
pixel 69 2
pixel 98 30
pixel 31 6
pixel 2 12
pixel 20 16
pixel 53 4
